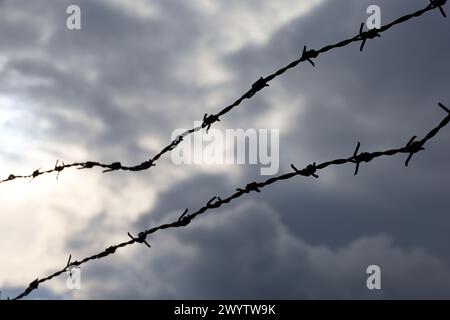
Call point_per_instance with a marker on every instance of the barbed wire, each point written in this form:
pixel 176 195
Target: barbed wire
pixel 261 83
pixel 412 147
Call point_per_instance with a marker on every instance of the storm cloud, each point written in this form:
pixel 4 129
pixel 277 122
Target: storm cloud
pixel 117 88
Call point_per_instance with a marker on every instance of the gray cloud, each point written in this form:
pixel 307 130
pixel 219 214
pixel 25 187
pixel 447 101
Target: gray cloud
pixel 304 239
pixel 247 252
pixel 380 97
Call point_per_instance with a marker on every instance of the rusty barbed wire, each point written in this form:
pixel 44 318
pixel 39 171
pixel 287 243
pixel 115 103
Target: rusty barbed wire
pixel 260 84
pixel 412 147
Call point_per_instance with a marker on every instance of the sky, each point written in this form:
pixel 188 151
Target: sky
pixel 137 70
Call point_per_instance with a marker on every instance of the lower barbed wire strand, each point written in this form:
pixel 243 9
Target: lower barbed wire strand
pixel 217 202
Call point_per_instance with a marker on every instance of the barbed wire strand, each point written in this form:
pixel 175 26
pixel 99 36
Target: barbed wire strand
pixel 261 83
pixel 412 147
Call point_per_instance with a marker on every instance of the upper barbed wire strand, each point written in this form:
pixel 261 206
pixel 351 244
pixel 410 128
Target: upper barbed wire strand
pixel 412 147
pixel 261 83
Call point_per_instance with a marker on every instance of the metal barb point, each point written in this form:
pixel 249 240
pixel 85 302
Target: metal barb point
pixel 307 55
pixel 260 84
pixel 370 34
pixel 208 120
pixel 439 4
pixel 209 203
pixel 58 169
pixel 310 170
pixel 68 261
pixel 183 214
pixel 444 108
pixel 34 285
pixel 215 202
pixel 252 186
pixel 35 174
pixel 113 167
pixel 355 155
pixel 88 165
pixel 141 238
pixel 184 219
pixel 362 157
pixel 413 147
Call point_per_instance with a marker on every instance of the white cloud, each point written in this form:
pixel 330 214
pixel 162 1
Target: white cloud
pixel 139 8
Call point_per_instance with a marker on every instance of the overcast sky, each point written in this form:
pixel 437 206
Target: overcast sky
pixel 116 89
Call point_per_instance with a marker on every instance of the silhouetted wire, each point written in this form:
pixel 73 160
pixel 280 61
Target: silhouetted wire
pixel 261 83
pixel 412 147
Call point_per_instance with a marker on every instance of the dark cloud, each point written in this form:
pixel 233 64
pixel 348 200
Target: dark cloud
pixel 305 238
pixel 127 58
pixel 248 253
pixel 380 97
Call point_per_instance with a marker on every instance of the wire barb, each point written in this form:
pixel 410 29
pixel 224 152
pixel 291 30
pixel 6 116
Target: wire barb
pixel 68 261
pixel 107 252
pixel 253 186
pixel 215 202
pixel 208 120
pixel 259 84
pixel 144 166
pixel 141 238
pixel 362 157
pixel 58 169
pixel 36 173
pixel 439 4
pixel 444 108
pixel 308 55
pixel 113 167
pixel 33 285
pixel 310 170
pixel 185 219
pixel 370 34
pixel 68 265
pixel 413 147
pixel 88 165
